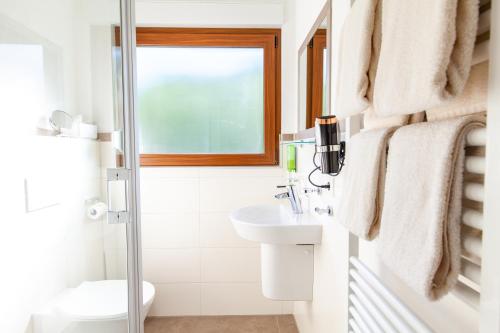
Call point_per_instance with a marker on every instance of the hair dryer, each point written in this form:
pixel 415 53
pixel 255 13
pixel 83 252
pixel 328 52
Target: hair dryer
pixel 328 145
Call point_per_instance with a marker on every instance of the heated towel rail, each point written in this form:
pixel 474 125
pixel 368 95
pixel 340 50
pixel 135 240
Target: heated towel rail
pixel 373 308
pixel 468 288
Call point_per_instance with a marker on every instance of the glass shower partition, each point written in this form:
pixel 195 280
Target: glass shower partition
pixel 131 163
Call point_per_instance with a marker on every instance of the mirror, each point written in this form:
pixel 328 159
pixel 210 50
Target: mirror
pixel 314 68
pixel 60 119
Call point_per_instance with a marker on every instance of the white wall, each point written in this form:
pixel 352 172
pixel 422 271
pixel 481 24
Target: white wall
pixel 55 246
pixel 190 249
pixel 207 14
pixel 289 70
pixel 44 251
pixel 327 311
pixel 307 13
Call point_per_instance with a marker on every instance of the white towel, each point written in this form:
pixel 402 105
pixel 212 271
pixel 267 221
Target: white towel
pixel 360 204
pixel 355 59
pixel 372 121
pixel 420 226
pixel 426 53
pixel 473 99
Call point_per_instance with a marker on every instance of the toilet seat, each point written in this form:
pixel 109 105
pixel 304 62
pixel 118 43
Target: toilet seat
pixel 101 300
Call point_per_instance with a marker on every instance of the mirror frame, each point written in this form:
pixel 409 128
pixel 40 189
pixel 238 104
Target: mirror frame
pixel 325 13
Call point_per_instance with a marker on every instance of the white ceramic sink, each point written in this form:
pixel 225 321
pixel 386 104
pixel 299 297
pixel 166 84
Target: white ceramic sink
pixel 273 224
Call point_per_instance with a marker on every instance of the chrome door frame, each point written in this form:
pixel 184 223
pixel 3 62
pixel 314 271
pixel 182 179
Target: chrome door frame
pixel 131 162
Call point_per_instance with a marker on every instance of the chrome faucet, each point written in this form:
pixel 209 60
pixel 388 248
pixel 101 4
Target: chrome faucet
pixel 291 194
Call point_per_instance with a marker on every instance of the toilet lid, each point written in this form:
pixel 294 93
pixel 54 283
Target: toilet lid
pixel 101 300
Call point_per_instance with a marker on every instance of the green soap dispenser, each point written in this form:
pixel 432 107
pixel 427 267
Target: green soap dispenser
pixel 291 154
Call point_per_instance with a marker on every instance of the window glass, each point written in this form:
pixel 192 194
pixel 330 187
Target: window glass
pixel 201 100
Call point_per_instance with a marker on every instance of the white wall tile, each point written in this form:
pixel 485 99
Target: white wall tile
pixel 169 195
pixel 236 299
pixel 170 230
pixel 241 172
pixel 305 165
pixel 115 235
pixel 216 230
pixel 116 264
pixel 287 307
pixel 169 172
pixel 107 156
pixel 169 266
pixel 227 194
pixel 190 245
pixel 230 265
pixel 176 299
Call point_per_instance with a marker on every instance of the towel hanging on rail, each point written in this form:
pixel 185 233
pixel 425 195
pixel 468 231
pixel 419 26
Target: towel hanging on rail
pixel 372 121
pixel 420 226
pixel 357 56
pixel 360 206
pixel 473 99
pixel 426 53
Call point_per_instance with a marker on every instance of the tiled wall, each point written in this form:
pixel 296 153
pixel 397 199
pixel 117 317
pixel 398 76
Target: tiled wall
pixel 191 253
pixel 190 250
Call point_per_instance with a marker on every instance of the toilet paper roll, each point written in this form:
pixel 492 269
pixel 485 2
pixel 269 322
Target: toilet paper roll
pixel 96 210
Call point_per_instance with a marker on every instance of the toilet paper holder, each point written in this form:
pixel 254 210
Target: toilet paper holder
pixel 95 208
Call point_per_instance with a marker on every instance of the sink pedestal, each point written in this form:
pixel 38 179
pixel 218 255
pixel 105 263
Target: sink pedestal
pixel 287 271
pixel 287 267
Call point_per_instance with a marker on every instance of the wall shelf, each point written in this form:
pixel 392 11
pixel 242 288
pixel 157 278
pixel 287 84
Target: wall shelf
pixel 302 137
pixel 311 141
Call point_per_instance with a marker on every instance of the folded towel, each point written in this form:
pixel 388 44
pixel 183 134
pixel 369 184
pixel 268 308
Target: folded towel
pixel 472 100
pixel 372 121
pixel 425 55
pixel 360 205
pixel 420 226
pixel 354 59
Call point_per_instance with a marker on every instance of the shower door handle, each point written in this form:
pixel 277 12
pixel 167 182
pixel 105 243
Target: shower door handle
pixel 117 192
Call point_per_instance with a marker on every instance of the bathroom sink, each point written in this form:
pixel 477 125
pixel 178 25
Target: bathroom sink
pixel 276 224
pixel 287 248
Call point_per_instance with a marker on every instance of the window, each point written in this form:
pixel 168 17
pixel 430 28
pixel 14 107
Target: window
pixel 316 78
pixel 208 96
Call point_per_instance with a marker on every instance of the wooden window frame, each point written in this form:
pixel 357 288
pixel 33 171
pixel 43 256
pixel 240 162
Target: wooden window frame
pixel 269 40
pixel 314 94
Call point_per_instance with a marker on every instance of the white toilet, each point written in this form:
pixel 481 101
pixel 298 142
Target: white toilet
pixel 92 307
